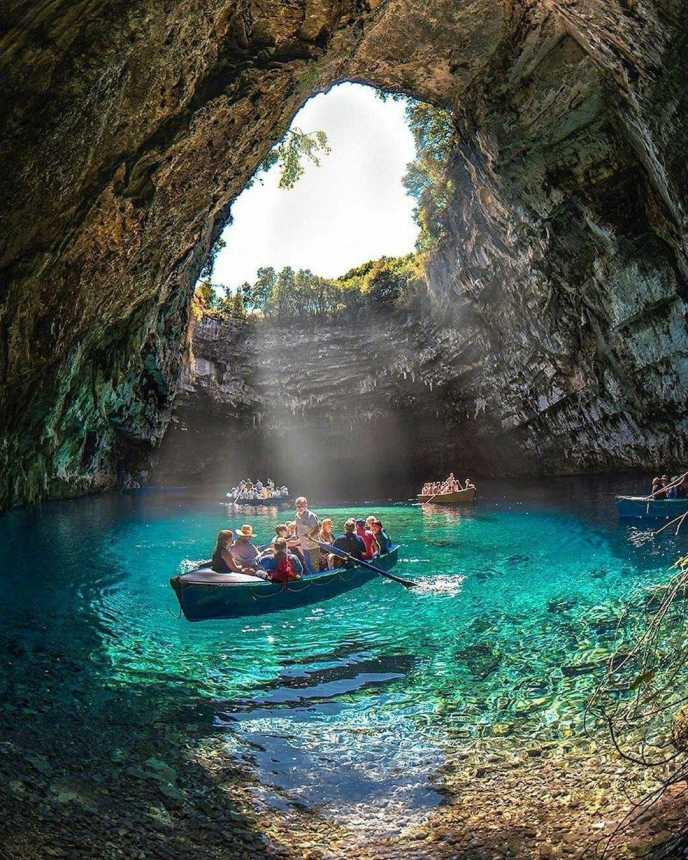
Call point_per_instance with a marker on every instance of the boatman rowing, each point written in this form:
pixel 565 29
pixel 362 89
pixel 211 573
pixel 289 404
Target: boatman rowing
pixel 307 527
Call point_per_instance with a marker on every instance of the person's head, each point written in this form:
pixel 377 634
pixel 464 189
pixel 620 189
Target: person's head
pixel 350 526
pixel 282 531
pixel 360 525
pixel 376 527
pixel 224 540
pixel 245 533
pixel 301 504
pixel 665 478
pixel 327 525
pixel 280 547
pixel 369 521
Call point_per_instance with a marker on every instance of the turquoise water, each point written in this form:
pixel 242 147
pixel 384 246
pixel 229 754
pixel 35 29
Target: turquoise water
pixel 346 705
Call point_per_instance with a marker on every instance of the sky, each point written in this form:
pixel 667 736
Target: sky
pixel 351 209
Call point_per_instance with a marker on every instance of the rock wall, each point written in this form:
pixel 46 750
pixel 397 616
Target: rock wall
pixel 337 408
pixel 129 128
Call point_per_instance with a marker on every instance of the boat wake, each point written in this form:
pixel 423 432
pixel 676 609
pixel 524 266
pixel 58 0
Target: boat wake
pixel 443 585
pixel 186 565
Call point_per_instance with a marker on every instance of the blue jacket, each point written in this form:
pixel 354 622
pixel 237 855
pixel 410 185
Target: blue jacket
pixel 351 544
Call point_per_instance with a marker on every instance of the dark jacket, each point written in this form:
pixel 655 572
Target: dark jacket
pixel 384 541
pixel 350 543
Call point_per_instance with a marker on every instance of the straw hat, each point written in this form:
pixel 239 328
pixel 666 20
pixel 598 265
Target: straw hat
pixel 246 531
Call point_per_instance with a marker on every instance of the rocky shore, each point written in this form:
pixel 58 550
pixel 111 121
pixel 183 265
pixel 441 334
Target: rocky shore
pixel 171 797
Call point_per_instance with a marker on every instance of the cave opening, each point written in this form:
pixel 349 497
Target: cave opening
pixel 298 365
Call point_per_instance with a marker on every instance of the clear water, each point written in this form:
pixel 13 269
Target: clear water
pixel 348 706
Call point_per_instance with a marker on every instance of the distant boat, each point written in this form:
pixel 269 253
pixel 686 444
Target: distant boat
pixel 204 594
pixel 642 508
pixel 458 498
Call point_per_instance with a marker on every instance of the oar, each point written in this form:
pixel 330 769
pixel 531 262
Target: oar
pixel 407 583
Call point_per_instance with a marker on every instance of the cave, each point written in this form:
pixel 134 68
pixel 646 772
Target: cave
pixel 552 344
pixel 127 135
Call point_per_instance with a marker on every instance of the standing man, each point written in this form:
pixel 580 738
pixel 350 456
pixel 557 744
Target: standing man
pixel 307 528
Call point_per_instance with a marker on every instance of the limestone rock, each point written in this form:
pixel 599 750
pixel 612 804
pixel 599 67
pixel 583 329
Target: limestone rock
pixel 129 129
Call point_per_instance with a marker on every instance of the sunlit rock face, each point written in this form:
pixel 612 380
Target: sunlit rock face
pixel 127 134
pixel 365 405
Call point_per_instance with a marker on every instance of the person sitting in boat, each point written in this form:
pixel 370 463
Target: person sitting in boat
pixel 245 553
pixel 281 565
pixel 281 531
pixel 351 543
pixel 368 539
pixel 469 484
pixel 658 485
pixel 382 539
pixel 325 535
pixel 682 488
pixel 223 558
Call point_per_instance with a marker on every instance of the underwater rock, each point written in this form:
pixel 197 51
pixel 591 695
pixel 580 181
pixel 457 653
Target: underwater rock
pixel 679 730
pixel 480 659
pixel 561 604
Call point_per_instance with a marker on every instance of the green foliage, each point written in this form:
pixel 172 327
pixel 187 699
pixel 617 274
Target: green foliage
pixel 205 295
pixel 206 272
pixel 290 152
pixel 237 307
pixel 291 295
pixel 427 177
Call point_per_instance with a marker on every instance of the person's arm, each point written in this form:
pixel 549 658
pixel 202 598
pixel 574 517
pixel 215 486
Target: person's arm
pixel 296 565
pixel 231 562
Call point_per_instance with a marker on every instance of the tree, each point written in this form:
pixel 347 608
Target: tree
pixel 205 294
pixel 206 272
pixel 427 178
pixel 238 305
pixel 289 153
pixel 258 295
pixel 284 301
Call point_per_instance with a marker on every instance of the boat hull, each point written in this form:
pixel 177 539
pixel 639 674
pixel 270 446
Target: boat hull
pixel 204 594
pixel 459 498
pixel 253 503
pixel 638 508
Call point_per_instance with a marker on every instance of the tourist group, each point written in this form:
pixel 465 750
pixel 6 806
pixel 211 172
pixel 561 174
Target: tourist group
pixel 248 491
pixel 670 488
pixel 301 547
pixel 449 485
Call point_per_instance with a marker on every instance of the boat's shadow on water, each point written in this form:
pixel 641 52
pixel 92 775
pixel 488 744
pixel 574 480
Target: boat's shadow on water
pixel 313 741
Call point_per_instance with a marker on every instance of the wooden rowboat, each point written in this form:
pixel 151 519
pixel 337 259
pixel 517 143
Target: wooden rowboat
pixel 459 498
pixel 639 508
pixel 204 594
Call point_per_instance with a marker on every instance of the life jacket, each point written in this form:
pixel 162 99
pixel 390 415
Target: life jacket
pixel 284 570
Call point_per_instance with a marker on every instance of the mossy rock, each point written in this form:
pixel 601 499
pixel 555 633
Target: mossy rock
pixel 679 730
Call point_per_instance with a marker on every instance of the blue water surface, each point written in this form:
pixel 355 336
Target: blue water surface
pixel 350 704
